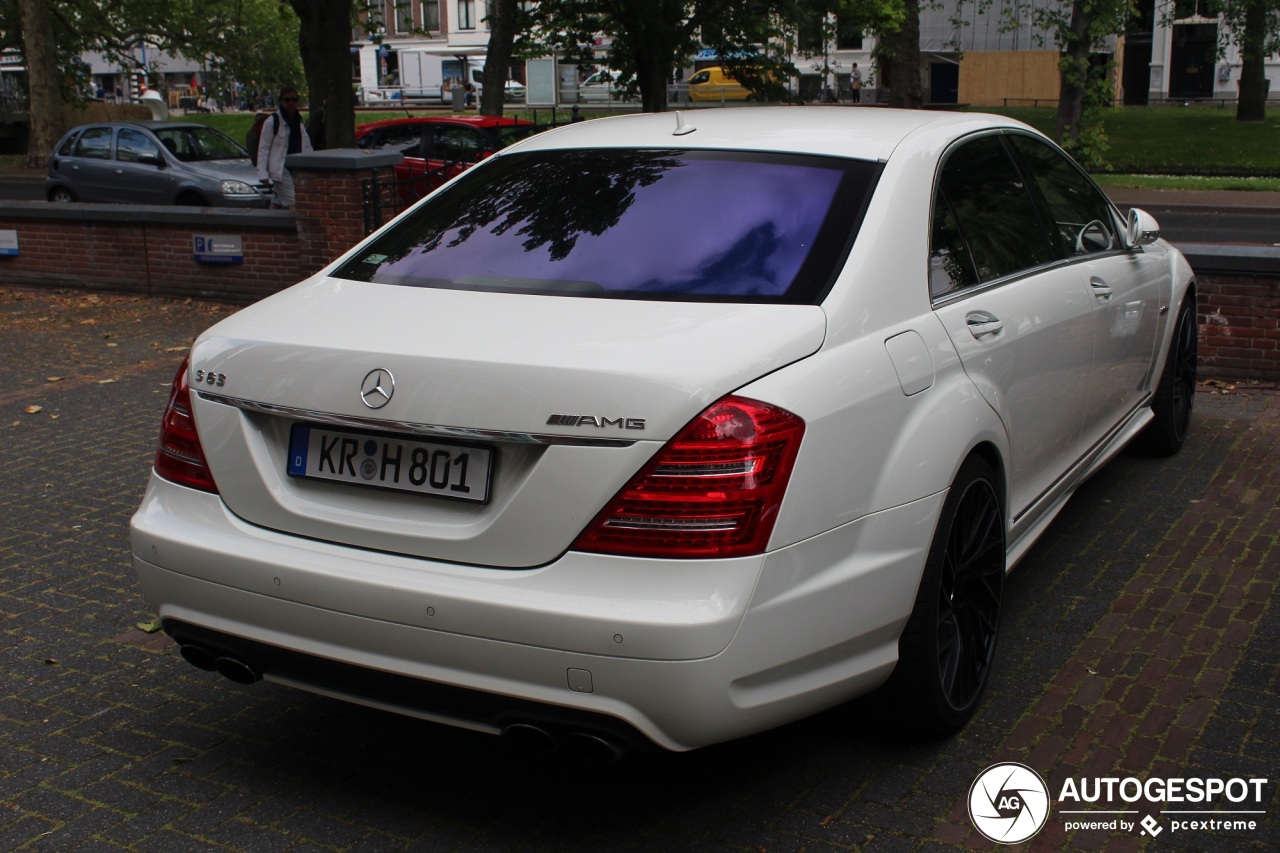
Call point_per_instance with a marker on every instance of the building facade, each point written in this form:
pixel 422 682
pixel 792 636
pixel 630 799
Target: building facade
pixel 972 53
pixel 1170 51
pixel 448 27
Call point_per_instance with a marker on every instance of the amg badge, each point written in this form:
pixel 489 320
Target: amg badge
pixel 593 420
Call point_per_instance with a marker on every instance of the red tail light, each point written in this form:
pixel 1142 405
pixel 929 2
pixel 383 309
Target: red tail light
pixel 713 491
pixel 180 458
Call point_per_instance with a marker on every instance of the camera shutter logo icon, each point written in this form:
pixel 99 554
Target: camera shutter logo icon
pixel 1009 803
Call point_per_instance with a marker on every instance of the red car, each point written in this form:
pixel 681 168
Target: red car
pixel 436 148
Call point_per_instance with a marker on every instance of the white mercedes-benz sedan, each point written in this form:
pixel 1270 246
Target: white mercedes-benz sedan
pixel 669 428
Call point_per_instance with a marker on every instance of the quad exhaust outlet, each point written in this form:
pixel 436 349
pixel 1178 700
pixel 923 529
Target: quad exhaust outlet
pixel 532 738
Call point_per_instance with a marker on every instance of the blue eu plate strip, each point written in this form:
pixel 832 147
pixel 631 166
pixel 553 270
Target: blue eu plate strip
pixel 299 439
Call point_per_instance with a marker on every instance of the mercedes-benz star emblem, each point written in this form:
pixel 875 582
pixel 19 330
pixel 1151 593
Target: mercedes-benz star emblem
pixel 377 388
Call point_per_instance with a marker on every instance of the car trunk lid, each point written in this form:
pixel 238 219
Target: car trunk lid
pixel 562 399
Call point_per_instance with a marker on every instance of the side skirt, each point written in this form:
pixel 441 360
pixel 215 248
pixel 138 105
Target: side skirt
pixel 1032 522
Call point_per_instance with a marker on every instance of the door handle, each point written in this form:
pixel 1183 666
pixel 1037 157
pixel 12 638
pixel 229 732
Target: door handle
pixel 981 324
pixel 1100 288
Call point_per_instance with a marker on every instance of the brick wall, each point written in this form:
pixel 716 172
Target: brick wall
pixel 1239 301
pixel 330 210
pixel 139 250
pixel 1239 326
pixel 150 249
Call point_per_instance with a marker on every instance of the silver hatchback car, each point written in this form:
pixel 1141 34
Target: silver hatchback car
pixel 153 162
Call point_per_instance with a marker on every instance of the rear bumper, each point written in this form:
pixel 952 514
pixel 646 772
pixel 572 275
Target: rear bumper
pixel 687 653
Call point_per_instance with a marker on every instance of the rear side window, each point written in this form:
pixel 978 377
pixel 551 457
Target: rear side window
pixel 95 143
pixel 68 146
pixel 657 225
pixel 985 225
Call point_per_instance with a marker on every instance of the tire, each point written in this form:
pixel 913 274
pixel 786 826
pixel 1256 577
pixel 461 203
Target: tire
pixel 947 649
pixel 1176 392
pixel 61 195
pixel 190 199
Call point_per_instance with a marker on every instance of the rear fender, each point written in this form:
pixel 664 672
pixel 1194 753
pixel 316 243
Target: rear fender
pixel 868 445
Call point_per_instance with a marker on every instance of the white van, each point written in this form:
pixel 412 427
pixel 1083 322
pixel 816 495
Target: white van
pixel 429 76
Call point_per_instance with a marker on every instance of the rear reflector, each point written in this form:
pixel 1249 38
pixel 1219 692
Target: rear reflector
pixel 180 458
pixel 713 491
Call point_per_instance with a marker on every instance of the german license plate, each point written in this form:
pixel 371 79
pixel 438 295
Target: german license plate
pixel 390 462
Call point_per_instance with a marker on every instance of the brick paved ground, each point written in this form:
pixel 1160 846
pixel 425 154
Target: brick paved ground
pixel 1139 639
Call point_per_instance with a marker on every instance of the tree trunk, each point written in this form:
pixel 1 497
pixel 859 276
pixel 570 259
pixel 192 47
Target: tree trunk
pixel 1252 102
pixel 652 78
pixel 903 45
pixel 45 102
pixel 1074 68
pixel 497 63
pixel 654 34
pixel 324 40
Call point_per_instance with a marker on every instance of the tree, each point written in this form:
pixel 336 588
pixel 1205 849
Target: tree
pixel 504 21
pixel 1254 26
pixel 59 31
pixel 652 38
pixel 1078 31
pixel 900 46
pixel 45 88
pixel 324 39
pixel 246 41
pixel 819 23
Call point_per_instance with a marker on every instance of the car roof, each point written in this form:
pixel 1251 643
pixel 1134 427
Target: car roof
pixel 147 125
pixel 860 133
pixel 468 121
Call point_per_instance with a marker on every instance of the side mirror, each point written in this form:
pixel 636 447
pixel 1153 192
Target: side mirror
pixel 151 158
pixel 1142 228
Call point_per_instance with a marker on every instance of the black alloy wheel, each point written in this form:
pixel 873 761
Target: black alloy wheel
pixel 1184 357
pixel 1175 393
pixel 947 649
pixel 969 591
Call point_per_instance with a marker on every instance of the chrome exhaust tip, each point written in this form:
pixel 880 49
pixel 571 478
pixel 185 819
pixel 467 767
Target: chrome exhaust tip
pixel 237 670
pixel 594 748
pixel 198 656
pixel 529 738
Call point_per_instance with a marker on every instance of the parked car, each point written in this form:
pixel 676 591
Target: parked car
pixel 153 162
pixel 715 84
pixel 540 459
pixel 436 148
pixel 601 87
pixel 513 92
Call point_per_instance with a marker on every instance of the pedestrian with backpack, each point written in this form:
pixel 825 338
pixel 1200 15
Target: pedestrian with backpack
pixel 281 135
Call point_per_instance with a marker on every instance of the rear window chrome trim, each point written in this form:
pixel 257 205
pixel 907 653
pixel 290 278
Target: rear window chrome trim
pixel 411 428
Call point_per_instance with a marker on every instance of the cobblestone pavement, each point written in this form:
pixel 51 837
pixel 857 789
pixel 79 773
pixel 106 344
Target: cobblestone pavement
pixel 1140 640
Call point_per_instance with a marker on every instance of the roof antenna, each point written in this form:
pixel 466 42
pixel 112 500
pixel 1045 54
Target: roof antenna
pixel 682 128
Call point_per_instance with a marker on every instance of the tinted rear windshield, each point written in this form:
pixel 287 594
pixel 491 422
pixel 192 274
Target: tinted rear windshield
pixel 638 224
